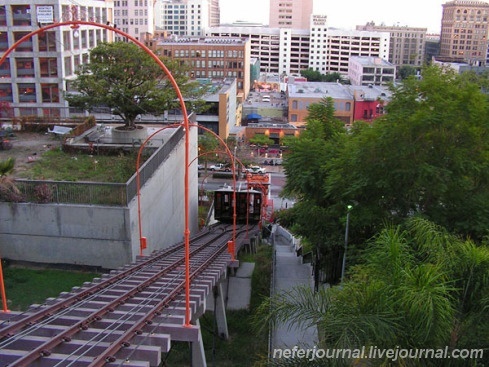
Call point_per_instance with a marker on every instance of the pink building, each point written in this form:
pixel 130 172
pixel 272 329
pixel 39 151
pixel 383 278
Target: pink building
pixel 295 14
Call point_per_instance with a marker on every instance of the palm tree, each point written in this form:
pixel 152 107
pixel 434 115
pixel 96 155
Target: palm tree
pixel 8 190
pixel 417 287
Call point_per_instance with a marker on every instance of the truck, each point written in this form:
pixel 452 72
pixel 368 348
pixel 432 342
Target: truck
pixel 220 167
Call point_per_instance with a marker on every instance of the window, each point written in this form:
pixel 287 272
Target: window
pixel 25 67
pixel 3 16
pixel 66 41
pixel 24 46
pixel 6 92
pixel 21 15
pixel 5 69
pixel 50 92
pixel 27 92
pixel 3 41
pixel 68 68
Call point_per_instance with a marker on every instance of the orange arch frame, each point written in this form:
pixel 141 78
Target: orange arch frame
pixel 75 24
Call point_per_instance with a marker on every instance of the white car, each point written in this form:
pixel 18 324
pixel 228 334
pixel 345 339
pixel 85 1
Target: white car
pixel 256 169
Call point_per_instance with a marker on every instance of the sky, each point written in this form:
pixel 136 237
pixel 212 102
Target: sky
pixel 347 14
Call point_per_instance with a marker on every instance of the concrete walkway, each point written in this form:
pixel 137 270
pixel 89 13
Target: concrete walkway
pixel 289 273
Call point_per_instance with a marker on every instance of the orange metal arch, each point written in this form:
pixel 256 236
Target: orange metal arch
pixel 76 24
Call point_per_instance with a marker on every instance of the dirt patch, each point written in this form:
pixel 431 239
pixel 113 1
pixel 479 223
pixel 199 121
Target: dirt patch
pixel 27 147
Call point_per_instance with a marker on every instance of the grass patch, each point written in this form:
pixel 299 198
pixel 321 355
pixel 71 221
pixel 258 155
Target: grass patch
pixel 25 286
pixel 57 165
pixel 244 348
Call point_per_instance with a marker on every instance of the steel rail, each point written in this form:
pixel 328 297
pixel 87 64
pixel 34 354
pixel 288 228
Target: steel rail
pixel 66 335
pixel 124 340
pixel 15 325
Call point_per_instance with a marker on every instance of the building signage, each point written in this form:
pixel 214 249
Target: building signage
pixel 45 14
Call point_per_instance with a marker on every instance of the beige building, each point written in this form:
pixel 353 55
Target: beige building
pixel 211 57
pixel 302 94
pixel 293 14
pixel 464 32
pixel 406 45
pixel 134 17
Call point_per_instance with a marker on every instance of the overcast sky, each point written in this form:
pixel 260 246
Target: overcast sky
pixel 348 13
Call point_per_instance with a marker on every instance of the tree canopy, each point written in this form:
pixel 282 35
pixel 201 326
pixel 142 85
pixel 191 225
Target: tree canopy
pixel 125 78
pixel 316 76
pixel 429 155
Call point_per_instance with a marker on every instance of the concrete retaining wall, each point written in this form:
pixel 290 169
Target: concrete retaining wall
pixel 104 236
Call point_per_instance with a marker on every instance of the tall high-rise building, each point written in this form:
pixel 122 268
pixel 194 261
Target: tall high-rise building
pixel 294 14
pixel 186 17
pixel 464 32
pixel 134 17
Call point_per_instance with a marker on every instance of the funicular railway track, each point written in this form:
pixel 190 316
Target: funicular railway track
pixel 125 318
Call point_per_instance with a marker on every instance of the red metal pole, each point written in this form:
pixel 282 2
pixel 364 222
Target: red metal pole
pixel 142 240
pixel 76 24
pixel 2 290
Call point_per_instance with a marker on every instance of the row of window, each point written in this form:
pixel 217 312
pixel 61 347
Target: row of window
pixel 25 67
pixel 47 40
pixel 202 53
pixel 27 93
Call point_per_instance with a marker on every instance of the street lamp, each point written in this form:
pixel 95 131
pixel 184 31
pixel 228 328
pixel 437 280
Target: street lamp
pixel 348 208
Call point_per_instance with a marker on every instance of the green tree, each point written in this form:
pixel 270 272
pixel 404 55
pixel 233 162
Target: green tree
pixel 123 77
pixel 406 71
pixel 314 214
pixel 316 76
pixel 208 146
pixel 428 155
pixel 261 139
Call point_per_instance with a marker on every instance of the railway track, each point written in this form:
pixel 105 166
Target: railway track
pixel 127 317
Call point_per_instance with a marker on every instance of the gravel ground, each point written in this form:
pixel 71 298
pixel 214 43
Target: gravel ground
pixel 27 147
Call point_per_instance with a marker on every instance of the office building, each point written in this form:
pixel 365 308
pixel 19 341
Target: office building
pixel 210 57
pixel 370 71
pixel 406 45
pixel 464 32
pixel 186 17
pixel 33 78
pixel 134 17
pixel 280 50
pixel 294 14
pixel 331 49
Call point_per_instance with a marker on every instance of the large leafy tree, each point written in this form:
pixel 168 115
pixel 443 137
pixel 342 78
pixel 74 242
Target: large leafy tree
pixel 315 216
pixel 429 155
pixel 123 77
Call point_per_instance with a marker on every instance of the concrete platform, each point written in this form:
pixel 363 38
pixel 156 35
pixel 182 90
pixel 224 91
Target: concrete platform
pixel 238 289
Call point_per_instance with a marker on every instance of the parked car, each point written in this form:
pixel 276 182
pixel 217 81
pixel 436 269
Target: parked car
pixel 256 169
pixel 200 166
pixel 220 167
